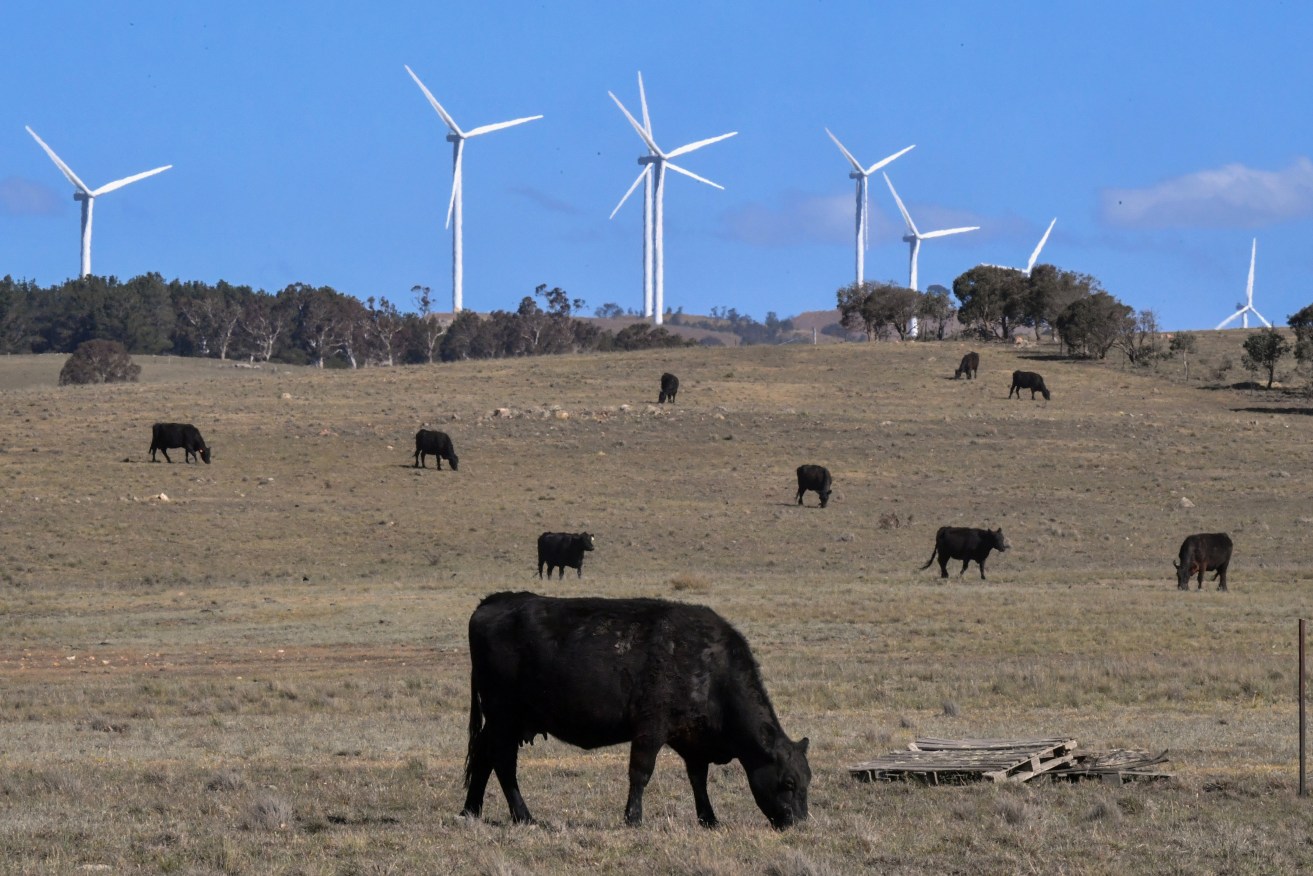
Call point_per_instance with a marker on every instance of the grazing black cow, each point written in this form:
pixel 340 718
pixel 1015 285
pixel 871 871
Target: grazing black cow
pixel 560 549
pixel 436 444
pixel 1203 552
pixel 595 672
pixel 164 436
pixel 1028 380
pixel 965 544
pixel 669 387
pixel 970 365
pixel 815 478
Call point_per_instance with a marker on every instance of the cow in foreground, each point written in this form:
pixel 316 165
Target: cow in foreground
pixel 560 549
pixel 1028 380
pixel 167 436
pixel 969 366
pixel 595 672
pixel 435 444
pixel 965 544
pixel 669 388
pixel 815 478
pixel 1203 552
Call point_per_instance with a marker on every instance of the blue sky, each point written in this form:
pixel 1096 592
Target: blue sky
pixel 1164 136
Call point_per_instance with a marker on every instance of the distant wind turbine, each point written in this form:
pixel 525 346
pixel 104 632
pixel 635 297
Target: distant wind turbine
pixel 655 163
pixel 914 238
pixel 646 177
pixel 1034 256
pixel 860 174
pixel 88 195
pixel 1248 307
pixel 457 138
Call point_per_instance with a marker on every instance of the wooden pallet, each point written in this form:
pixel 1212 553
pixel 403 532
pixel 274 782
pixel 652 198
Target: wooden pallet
pixel 963 761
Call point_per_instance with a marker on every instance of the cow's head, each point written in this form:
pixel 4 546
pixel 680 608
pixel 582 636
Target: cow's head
pixel 779 784
pixel 1001 542
pixel 453 460
pixel 1183 573
pixel 205 455
pixel 585 540
pixel 825 495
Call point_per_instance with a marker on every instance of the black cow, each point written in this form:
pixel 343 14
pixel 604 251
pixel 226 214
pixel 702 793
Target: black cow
pixel 560 549
pixel 669 387
pixel 1203 552
pixel 436 444
pixel 815 478
pixel 1028 380
pixel 164 436
pixel 970 365
pixel 965 544
pixel 595 672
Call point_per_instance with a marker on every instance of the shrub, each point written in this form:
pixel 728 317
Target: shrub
pixel 99 361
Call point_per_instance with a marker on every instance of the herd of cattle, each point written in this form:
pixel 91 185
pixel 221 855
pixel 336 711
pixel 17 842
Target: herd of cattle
pixel 595 672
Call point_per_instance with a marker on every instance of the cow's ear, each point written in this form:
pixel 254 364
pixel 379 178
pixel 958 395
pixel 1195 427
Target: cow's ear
pixel 803 743
pixel 1175 564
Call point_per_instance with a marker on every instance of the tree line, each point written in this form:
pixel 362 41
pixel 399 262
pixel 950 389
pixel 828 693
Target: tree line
pixel 301 324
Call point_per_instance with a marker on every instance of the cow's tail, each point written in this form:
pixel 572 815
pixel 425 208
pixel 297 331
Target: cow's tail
pixel 476 724
pixel 933 553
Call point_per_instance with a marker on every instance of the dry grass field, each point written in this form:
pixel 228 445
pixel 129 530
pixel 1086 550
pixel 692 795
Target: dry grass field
pixel 259 666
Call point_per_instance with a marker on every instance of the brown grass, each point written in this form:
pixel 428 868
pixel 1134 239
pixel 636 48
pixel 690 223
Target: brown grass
pixel 266 671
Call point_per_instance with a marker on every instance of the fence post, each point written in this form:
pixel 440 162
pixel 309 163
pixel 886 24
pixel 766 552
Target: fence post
pixel 1303 787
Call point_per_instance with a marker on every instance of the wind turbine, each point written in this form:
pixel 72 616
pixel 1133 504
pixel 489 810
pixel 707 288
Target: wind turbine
pixel 655 164
pixel 646 177
pixel 88 195
pixel 1034 256
pixel 860 174
pixel 914 238
pixel 457 138
pixel 1248 307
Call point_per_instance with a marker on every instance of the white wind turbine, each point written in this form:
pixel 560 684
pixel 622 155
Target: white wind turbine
pixel 1034 256
pixel 88 195
pixel 655 164
pixel 1248 307
pixel 646 177
pixel 860 174
pixel 457 138
pixel 914 238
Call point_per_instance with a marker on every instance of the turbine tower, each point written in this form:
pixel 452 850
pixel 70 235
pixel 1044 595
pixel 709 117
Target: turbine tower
pixel 1248 307
pixel 914 238
pixel 1034 256
pixel 655 164
pixel 860 174
pixel 455 211
pixel 88 195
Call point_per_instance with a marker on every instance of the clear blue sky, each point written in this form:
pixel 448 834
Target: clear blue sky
pixel 1163 135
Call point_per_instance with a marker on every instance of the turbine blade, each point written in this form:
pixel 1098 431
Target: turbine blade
pixel 677 169
pixel 866 214
pixel 1034 256
pixel 120 183
pixel 647 138
pixel 446 117
pixel 879 164
pixel 642 99
pixel 1260 317
pixel 684 150
pixel 641 176
pixel 64 168
pixel 484 129
pixel 911 226
pixel 857 165
pixel 1221 325
pixel 944 232
pixel 455 181
pixel 1249 289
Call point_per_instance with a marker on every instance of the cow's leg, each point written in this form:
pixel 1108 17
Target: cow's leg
pixel 476 774
pixel 981 565
pixel 943 566
pixel 165 451
pixel 800 492
pixel 1201 578
pixel 642 760
pixel 579 568
pixel 503 762
pixel 540 570
pixel 697 777
pixel 965 563
pixel 1220 577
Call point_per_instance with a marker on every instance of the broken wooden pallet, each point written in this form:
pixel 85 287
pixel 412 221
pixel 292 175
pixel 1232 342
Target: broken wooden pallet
pixel 961 761
pixel 957 761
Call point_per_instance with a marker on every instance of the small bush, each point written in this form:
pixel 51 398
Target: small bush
pixel 99 362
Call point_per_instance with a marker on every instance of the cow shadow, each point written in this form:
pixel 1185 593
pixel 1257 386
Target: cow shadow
pixel 1304 412
pixel 1041 356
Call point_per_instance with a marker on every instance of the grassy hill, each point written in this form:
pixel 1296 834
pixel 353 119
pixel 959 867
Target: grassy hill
pixel 260 666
